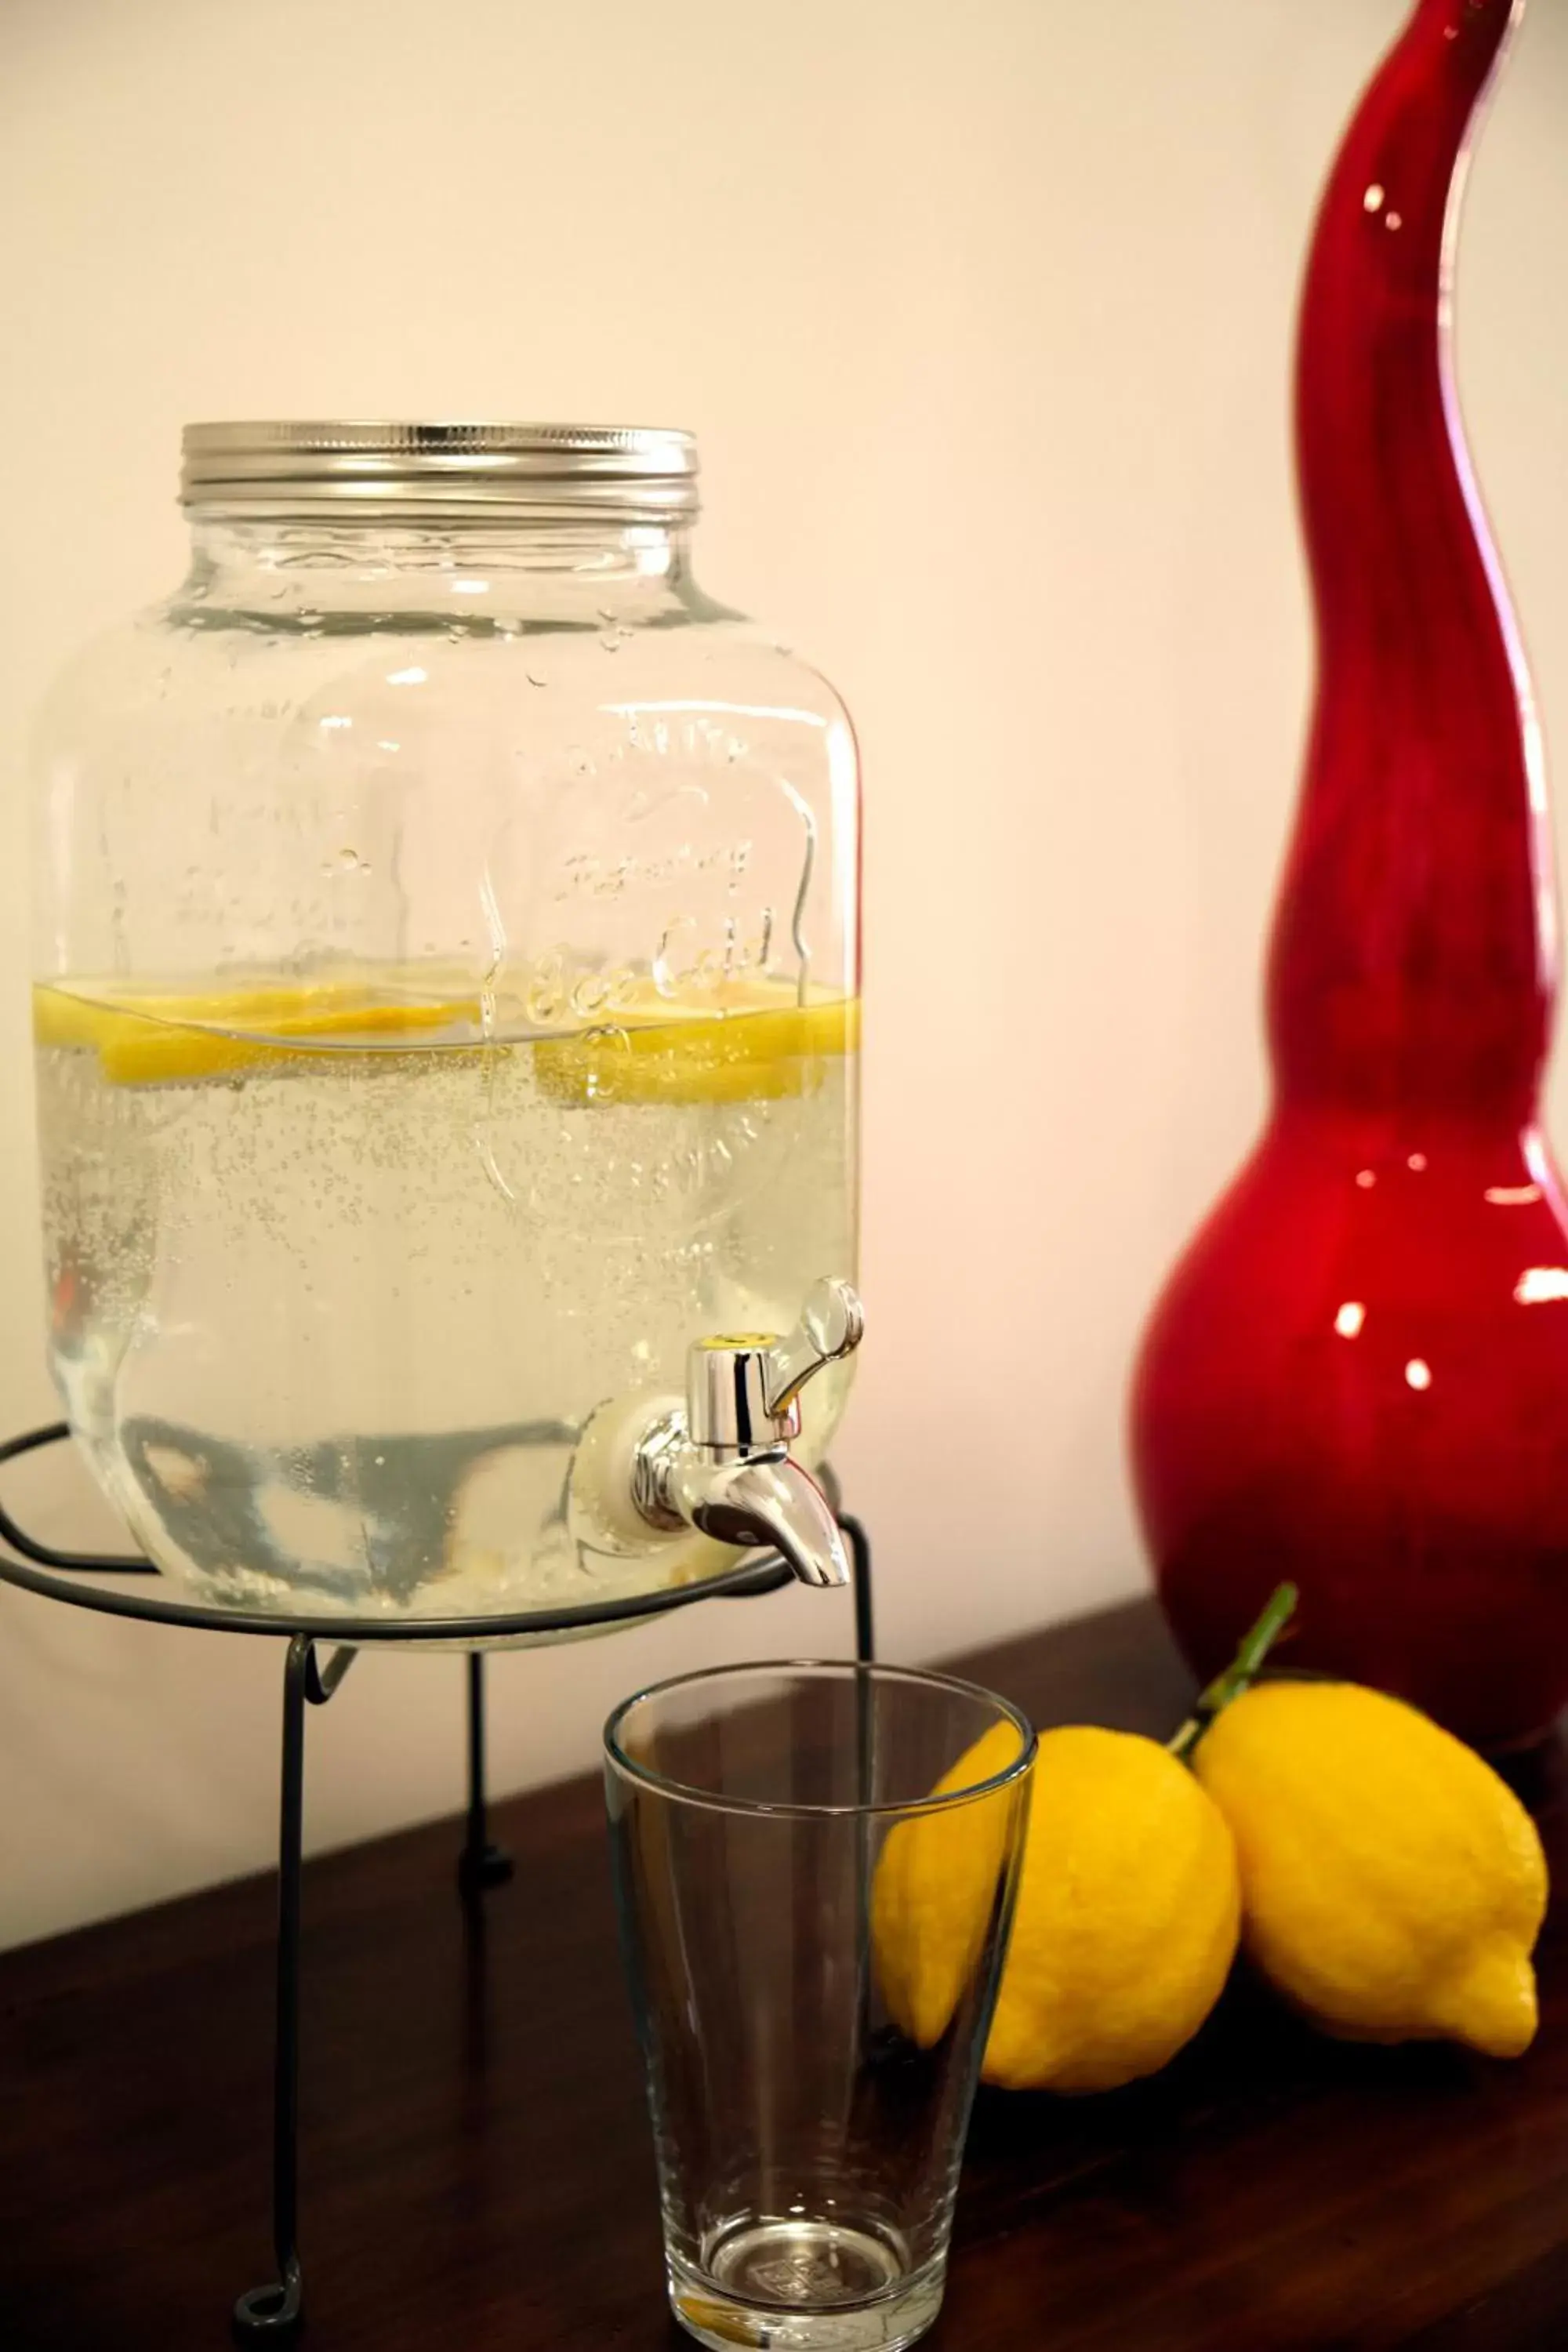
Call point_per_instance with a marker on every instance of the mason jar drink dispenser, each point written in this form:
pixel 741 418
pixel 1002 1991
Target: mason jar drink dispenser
pixel 447 1027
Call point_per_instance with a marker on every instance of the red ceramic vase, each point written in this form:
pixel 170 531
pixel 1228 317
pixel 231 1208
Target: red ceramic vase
pixel 1357 1376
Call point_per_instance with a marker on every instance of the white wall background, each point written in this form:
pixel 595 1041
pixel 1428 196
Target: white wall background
pixel 983 315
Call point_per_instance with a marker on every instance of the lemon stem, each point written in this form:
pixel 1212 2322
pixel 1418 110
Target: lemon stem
pixel 1243 1669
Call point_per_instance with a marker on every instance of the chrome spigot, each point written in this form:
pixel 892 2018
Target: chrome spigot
pixel 723 1465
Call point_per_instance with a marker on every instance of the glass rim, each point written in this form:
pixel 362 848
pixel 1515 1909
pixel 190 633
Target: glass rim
pixel 795 1808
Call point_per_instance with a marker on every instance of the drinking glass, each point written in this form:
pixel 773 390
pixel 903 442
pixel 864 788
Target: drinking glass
pixel 815 1868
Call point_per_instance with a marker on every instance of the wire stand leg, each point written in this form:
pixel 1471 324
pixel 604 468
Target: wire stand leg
pixel 275 2313
pixel 859 1544
pixel 481 1864
pixel 861 1563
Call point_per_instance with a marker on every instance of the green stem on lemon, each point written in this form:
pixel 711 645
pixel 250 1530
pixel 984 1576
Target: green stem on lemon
pixel 1243 1669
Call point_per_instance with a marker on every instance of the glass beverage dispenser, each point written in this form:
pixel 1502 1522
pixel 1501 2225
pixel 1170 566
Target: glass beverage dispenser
pixel 447 1027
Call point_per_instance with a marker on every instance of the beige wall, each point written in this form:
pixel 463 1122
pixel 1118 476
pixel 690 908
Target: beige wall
pixel 983 316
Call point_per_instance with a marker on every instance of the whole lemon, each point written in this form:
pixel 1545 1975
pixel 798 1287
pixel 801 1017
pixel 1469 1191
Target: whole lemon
pixel 1127 1920
pixel 1392 1886
pixel 935 1892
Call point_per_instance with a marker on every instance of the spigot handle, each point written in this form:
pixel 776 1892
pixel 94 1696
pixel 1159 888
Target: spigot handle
pixel 740 1387
pixel 832 1322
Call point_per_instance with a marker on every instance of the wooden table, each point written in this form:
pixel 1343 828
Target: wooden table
pixel 475 2164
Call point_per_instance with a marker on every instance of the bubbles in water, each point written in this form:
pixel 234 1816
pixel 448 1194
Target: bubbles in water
pixel 383 1261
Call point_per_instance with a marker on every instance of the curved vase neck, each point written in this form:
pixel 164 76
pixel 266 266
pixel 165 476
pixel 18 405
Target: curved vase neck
pixel 1413 952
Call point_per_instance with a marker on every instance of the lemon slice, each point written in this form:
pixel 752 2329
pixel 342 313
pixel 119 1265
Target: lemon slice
pixel 156 1039
pixel 743 1042
pixel 695 1056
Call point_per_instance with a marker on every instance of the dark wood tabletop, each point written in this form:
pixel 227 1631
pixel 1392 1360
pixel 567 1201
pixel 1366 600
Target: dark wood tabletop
pixel 476 2165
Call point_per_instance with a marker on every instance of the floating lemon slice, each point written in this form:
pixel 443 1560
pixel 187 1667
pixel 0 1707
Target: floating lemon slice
pixel 748 1042
pixel 143 1040
pixel 684 1055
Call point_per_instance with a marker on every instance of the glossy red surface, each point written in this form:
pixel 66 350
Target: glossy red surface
pixel 1358 1373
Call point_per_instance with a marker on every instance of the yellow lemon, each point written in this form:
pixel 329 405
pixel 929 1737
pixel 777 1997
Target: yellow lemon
pixel 935 1891
pixel 1126 1925
pixel 1127 1921
pixel 1392 1886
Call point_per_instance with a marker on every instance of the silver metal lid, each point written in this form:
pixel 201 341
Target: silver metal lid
pixel 629 471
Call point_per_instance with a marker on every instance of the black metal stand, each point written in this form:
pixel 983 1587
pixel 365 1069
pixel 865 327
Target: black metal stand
pixel 481 1864
pixel 274 2313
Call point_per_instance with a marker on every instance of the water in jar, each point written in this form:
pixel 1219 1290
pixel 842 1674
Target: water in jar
pixel 340 1268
